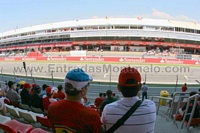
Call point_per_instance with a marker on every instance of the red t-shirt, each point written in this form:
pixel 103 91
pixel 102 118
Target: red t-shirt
pixel 98 101
pixel 60 95
pixel 74 115
pixel 184 88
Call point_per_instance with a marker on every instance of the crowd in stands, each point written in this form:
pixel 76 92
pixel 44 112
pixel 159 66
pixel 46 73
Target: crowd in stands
pixel 68 105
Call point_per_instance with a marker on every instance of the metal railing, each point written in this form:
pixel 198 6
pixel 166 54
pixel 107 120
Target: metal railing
pixel 195 97
pixel 173 99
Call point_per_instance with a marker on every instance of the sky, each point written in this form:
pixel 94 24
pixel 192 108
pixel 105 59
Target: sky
pixel 23 13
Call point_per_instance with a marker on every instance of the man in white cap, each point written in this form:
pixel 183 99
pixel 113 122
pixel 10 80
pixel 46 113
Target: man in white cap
pixel 71 113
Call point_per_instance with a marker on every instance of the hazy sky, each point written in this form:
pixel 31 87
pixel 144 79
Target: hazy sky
pixel 23 13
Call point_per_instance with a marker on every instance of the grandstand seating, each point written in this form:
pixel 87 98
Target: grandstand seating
pixel 37 110
pixel 13 112
pixel 38 130
pixel 24 106
pixel 14 126
pixel 4 119
pixel 44 121
pixel 29 116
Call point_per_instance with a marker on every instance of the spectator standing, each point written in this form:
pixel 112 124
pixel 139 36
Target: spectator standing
pixel 184 88
pixel 99 100
pixel 108 100
pixel 71 112
pixel 18 80
pixel 145 88
pixel 12 95
pixel 144 117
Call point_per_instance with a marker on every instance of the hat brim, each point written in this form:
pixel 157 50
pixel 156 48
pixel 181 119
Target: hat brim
pixel 77 84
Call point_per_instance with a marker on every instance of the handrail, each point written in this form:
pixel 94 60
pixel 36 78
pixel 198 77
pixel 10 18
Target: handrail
pixel 178 106
pixel 196 96
pixel 172 105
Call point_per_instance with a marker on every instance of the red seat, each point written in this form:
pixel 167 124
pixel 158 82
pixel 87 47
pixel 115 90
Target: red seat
pixel 7 101
pixel 15 104
pixel 44 121
pixel 194 122
pixel 179 117
pixel 14 126
pixel 38 130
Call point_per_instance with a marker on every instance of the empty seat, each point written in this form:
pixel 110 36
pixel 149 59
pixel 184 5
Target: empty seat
pixel 14 126
pixel 44 121
pixel 12 110
pixel 7 101
pixel 37 110
pixel 24 106
pixel 194 122
pixel 29 116
pixel 4 119
pixel 179 117
pixel 38 130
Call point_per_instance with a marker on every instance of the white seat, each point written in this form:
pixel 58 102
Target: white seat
pixel 27 116
pixel 24 106
pixel 4 119
pixel 12 110
pixel 37 110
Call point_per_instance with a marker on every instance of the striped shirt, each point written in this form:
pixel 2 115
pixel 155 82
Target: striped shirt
pixel 141 121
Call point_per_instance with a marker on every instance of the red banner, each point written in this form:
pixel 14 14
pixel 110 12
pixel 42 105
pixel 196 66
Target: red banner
pixel 104 59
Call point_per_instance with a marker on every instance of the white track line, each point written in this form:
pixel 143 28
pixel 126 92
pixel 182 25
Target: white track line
pixel 186 77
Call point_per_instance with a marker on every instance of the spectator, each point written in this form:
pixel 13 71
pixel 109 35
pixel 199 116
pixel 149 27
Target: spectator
pixel 99 100
pixel 2 105
pixel 144 91
pixel 43 92
pixel 17 80
pixel 196 112
pixel 145 115
pixel 35 98
pixel 108 100
pixel 25 95
pixel 32 90
pixel 49 98
pixel 21 88
pixel 12 95
pixel 18 88
pixel 61 95
pixel 6 88
pixel 184 88
pixel 71 112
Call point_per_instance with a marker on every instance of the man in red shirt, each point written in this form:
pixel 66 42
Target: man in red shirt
pixel 99 100
pixel 49 98
pixel 184 88
pixel 59 94
pixel 71 113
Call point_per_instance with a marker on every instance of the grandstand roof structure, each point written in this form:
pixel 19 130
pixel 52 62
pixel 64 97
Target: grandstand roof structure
pixel 105 21
pixel 152 31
